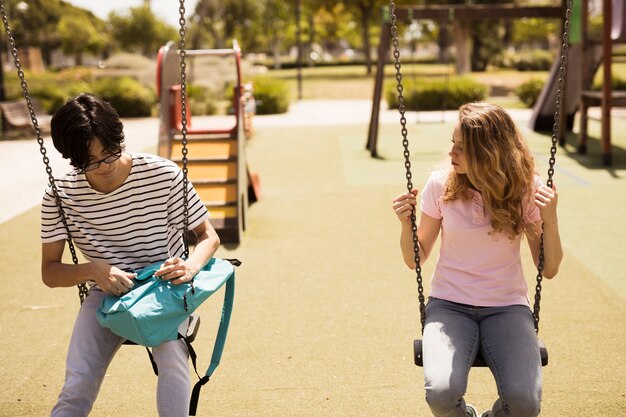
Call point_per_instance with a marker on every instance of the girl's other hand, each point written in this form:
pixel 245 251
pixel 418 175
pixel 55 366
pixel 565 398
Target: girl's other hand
pixel 404 204
pixel 546 199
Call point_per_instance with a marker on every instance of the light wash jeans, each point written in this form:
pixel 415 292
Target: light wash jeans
pixel 507 340
pixel 92 348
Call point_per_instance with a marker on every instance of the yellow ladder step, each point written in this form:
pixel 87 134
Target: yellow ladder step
pixel 223 170
pixel 216 191
pixel 221 212
pixel 221 149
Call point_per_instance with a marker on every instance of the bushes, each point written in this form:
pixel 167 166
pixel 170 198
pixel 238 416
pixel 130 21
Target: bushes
pixel 526 60
pixel 201 100
pixel 528 92
pixel 437 94
pixel 617 83
pixel 271 96
pixel 50 88
pixel 129 97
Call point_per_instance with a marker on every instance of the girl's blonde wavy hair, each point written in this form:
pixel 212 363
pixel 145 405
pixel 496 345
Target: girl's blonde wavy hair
pixel 499 166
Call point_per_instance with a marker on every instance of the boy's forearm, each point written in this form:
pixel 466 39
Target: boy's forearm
pixel 204 250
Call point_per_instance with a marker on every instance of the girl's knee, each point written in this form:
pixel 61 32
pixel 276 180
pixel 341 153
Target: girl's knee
pixel 523 404
pixel 443 400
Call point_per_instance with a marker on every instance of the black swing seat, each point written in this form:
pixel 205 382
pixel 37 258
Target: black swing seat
pixel 479 361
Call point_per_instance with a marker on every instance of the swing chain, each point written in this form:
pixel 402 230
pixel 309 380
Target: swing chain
pixel 183 91
pixel 82 287
pixel 407 159
pixel 556 129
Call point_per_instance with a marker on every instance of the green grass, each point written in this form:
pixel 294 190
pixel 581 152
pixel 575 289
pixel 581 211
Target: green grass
pixel 352 82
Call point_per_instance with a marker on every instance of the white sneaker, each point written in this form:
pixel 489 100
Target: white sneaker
pixel 470 410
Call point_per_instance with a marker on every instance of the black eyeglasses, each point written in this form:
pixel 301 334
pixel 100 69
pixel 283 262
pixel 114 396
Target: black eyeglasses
pixel 95 165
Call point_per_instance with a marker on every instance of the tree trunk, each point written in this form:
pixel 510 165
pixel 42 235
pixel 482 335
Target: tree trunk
pixel 366 13
pixel 276 53
pixel 443 43
pixel 462 38
pixel 478 63
pixel 308 48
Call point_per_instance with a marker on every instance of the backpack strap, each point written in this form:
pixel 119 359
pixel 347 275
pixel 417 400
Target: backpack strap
pixel 218 347
pixel 155 368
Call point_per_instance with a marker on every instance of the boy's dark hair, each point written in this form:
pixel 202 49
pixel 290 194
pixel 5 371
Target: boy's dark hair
pixel 79 121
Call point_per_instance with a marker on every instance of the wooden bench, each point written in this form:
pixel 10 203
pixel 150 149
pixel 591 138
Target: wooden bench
pixel 16 117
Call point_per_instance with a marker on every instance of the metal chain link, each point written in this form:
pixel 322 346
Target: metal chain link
pixel 556 128
pixel 82 287
pixel 407 160
pixel 183 91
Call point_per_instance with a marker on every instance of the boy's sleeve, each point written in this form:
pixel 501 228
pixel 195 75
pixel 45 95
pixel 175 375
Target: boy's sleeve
pixel 52 228
pixel 197 211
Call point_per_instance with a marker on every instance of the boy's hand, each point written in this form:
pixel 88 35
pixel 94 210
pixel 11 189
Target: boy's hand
pixel 176 270
pixel 113 280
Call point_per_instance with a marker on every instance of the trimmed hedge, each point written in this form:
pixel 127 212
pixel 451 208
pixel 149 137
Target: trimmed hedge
pixel 436 94
pixel 528 92
pixel 201 100
pixel 128 96
pixel 617 83
pixel 51 88
pixel 271 95
pixel 526 60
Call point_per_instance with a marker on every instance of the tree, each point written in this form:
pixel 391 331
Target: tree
pixel 140 30
pixel 366 11
pixel 216 22
pixel 335 26
pixel 278 25
pixel 475 41
pixel 79 35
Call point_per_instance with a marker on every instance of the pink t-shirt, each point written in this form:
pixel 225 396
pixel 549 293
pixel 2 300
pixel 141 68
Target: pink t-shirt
pixel 475 267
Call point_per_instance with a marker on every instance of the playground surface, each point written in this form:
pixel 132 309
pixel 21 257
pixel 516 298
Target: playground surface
pixel 325 310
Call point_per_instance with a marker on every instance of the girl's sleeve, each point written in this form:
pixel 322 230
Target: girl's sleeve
pixel 430 202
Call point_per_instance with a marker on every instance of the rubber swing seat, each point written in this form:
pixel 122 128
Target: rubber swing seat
pixel 479 361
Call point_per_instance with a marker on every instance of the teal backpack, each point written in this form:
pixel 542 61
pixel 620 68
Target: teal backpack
pixel 152 312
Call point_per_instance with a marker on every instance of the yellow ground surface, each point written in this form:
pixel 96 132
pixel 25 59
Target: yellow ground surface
pixel 325 311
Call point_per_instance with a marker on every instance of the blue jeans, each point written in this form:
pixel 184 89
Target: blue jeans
pixel 506 337
pixel 92 348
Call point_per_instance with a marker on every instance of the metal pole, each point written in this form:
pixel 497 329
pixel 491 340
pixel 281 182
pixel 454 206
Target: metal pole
pixel 383 51
pixel 585 77
pixel 607 44
pixel 2 92
pixel 562 133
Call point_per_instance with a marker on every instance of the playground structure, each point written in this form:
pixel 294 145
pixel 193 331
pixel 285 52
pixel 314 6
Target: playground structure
pixel 585 58
pixel 441 14
pixel 614 31
pixel 216 157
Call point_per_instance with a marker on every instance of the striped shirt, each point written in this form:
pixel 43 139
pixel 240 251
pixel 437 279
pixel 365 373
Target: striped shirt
pixel 135 225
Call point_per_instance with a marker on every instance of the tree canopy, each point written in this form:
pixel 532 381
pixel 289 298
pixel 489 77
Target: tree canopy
pixel 340 29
